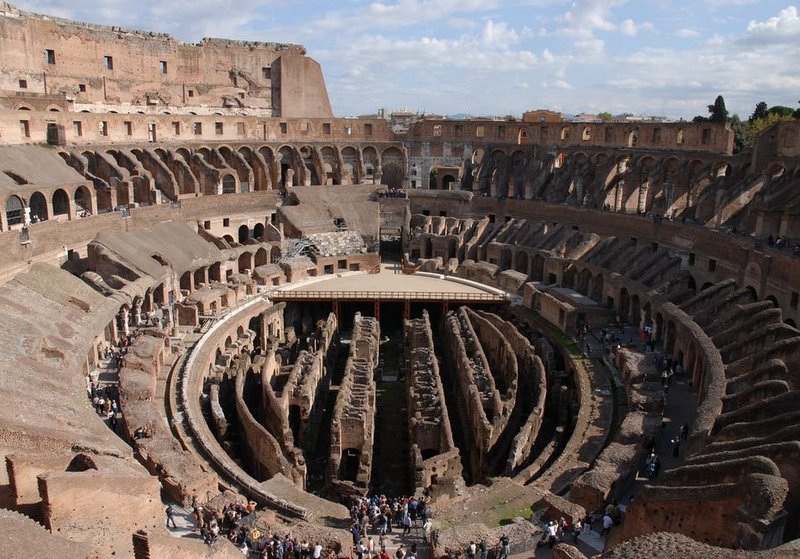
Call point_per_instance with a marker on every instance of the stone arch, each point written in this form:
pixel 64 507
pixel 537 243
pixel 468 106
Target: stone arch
pixel 15 210
pixel 522 137
pixel 38 205
pixel 245 262
pixel 61 205
pixel 521 262
pixel 632 138
pixel 753 293
pixel 350 171
pixel 692 284
pixel 229 239
pixel 83 198
pixel 261 257
pixel 774 300
pixel 584 277
pixel 565 132
pixel 274 254
pixel 392 165
pixel 790 322
pixel 258 230
pixel 537 271
pixel 587 133
pixel 228 184
pixel 244 234
pixel 505 259
pixel 568 279
pixel 448 180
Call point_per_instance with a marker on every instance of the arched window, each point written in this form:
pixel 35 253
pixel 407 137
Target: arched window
pixel 14 210
pixel 60 202
pixel 228 185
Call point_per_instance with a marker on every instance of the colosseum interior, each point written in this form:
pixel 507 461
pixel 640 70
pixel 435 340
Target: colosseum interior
pixel 286 313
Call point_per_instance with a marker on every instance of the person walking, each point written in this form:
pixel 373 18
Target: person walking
pixel 170 516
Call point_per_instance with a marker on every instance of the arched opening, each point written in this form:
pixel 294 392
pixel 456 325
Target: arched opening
pixel 790 322
pixel 505 259
pixel 244 234
pixel 228 239
pixel 274 254
pixel 14 210
pixel 60 202
pixel 584 277
pixel 774 301
pixel 215 272
pixel 199 278
pixel 753 293
pixel 245 262
pixel 261 257
pixel 692 284
pixel 81 463
pixel 448 182
pixel 521 262
pixel 38 204
pixel 624 305
pixel 228 184
pixel 186 281
pixel 636 311
pixel 392 175
pixel 83 200
pixel 428 252
pixel 348 469
pixel 258 231
pixel 537 272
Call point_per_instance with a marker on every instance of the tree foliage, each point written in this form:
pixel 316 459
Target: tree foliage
pixel 718 111
pixel 760 111
pixel 605 116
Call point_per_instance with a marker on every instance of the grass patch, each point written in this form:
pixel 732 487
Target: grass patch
pixel 508 518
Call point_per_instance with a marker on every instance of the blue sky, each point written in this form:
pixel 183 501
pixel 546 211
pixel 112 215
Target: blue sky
pixel 497 57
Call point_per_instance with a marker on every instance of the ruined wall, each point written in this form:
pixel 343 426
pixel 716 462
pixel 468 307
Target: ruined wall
pixel 531 393
pixel 105 67
pixel 353 423
pixel 434 457
pixel 479 403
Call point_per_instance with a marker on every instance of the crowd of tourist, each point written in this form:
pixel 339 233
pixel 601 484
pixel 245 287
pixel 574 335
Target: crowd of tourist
pixel 380 516
pixel 781 242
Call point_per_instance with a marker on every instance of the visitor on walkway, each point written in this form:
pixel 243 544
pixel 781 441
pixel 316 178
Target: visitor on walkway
pixel 170 516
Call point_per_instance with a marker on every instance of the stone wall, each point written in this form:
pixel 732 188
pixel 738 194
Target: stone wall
pixel 353 423
pixel 434 457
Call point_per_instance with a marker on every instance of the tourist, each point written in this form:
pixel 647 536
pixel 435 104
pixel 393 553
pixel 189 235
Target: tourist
pixel 551 529
pixel 170 516
pixel 577 528
pixel 505 547
pixel 684 431
pixel 471 549
pixel 484 549
pixel 608 522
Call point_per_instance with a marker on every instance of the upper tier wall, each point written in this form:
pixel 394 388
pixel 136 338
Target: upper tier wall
pixel 98 66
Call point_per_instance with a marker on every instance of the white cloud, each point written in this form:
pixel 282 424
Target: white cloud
pixel 781 29
pixel 380 15
pixel 687 33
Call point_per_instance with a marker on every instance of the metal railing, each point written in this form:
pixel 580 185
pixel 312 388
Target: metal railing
pixel 298 295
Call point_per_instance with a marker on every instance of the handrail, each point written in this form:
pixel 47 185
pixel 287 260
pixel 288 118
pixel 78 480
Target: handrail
pixel 298 295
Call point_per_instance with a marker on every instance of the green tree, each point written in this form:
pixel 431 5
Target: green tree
pixel 605 116
pixel 760 124
pixel 760 111
pixel 739 132
pixel 781 110
pixel 718 111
